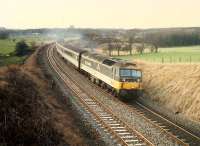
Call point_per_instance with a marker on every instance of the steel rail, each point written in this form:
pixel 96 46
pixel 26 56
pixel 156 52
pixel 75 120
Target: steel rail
pixel 173 137
pixel 122 141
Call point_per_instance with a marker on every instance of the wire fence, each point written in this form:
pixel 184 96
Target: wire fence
pixel 171 59
pixel 191 57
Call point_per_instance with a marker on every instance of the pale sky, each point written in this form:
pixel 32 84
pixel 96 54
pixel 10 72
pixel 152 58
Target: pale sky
pixel 99 13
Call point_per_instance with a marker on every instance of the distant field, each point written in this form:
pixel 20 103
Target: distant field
pixel 7 46
pixel 174 54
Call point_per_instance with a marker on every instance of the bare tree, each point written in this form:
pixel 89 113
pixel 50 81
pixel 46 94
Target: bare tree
pixel 143 46
pixel 153 48
pixel 118 46
pixel 140 49
pixel 130 41
pixel 110 48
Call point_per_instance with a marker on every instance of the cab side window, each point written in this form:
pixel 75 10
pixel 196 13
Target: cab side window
pixel 116 72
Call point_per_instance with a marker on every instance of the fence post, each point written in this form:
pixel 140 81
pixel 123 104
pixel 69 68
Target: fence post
pixel 179 59
pixel 162 60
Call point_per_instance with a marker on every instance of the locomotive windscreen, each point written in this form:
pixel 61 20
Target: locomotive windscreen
pixel 109 62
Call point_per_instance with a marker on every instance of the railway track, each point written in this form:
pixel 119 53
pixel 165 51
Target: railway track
pixel 179 137
pixel 167 125
pixel 178 134
pixel 116 128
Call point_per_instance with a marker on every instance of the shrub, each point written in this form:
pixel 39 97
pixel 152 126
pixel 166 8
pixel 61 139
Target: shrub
pixel 21 48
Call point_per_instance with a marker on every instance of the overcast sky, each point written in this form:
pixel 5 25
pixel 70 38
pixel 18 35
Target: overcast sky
pixel 99 13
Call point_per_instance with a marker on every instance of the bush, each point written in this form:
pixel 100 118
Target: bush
pixel 21 48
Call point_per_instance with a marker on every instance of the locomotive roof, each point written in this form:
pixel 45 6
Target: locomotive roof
pixel 96 56
pixel 125 64
pixel 110 61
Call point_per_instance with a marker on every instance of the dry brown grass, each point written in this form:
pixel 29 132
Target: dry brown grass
pixel 24 120
pixel 58 121
pixel 63 118
pixel 177 86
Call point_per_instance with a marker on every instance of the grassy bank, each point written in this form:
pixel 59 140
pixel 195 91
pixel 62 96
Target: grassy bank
pixel 176 86
pixel 169 55
pixel 24 118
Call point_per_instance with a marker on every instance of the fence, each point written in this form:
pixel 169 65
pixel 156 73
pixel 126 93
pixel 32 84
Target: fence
pixel 171 59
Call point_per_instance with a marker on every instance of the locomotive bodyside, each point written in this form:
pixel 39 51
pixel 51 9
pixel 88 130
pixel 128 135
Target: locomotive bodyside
pixel 106 71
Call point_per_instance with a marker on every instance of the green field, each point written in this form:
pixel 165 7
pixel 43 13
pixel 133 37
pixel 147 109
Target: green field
pixel 7 46
pixel 169 55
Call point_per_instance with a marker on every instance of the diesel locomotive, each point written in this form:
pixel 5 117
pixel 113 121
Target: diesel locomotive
pixel 122 78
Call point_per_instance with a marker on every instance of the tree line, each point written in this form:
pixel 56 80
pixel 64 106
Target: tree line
pixel 183 37
pixel 120 38
pixel 4 34
pixel 119 43
pixel 138 39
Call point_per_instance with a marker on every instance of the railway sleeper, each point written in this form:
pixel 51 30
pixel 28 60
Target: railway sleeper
pixel 127 136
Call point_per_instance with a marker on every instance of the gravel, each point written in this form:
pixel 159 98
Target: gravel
pixel 156 136
pixel 179 119
pixel 191 126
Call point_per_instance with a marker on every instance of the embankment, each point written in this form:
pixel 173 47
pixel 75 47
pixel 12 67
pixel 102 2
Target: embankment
pixel 175 86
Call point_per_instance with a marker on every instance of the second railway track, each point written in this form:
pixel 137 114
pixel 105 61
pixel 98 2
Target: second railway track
pixel 167 125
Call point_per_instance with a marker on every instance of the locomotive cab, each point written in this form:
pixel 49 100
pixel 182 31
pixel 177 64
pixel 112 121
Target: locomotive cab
pixel 129 80
pixel 130 75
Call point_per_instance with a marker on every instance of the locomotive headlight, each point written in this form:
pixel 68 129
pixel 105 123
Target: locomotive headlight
pixel 138 80
pixel 123 80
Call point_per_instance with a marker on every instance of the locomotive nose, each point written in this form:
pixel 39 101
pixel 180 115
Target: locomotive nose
pixel 130 85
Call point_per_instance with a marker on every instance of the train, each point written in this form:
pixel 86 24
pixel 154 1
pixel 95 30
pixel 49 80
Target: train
pixel 123 79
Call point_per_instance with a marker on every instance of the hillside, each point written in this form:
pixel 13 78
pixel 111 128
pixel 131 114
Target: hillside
pixel 32 113
pixel 176 86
